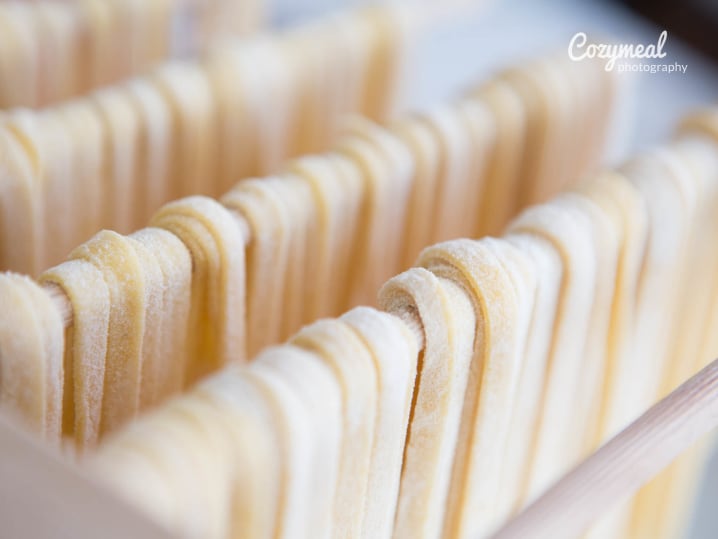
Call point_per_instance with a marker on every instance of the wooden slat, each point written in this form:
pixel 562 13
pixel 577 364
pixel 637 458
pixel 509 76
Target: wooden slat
pixel 624 464
pixel 44 497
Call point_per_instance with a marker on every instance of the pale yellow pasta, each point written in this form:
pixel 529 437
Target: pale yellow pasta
pixel 267 258
pixel 497 279
pixel 171 318
pixel 215 241
pixel 394 352
pixel 448 320
pixel 31 366
pixel 353 365
pixel 569 231
pixel 87 290
pixel 187 89
pixel 19 198
pixel 115 256
pixel 121 126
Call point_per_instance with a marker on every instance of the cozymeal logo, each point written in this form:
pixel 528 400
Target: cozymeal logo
pixel 625 57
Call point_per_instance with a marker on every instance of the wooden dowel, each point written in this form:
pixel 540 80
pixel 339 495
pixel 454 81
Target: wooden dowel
pixel 622 465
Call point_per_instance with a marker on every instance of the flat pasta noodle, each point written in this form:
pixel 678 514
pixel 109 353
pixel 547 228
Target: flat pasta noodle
pixel 87 290
pixel 115 256
pixel 668 219
pixel 100 68
pixel 183 436
pixel 394 352
pixel 420 217
pixel 570 233
pixel 560 166
pixel 699 156
pixel 187 89
pixel 615 189
pixel 121 126
pixel 154 148
pixel 387 168
pixel 58 28
pixel 248 420
pixel 481 130
pixel 266 258
pixel 152 353
pixel 548 269
pixel 31 344
pixel 172 316
pixel 217 314
pixel 497 279
pixel 59 194
pixel 452 210
pixel 235 74
pixel 27 128
pixel 275 90
pixel 448 320
pixel 332 195
pixel 503 175
pixel 20 206
pixel 391 27
pixel 84 128
pixel 532 89
pixel 297 203
pixel 342 350
pixel 351 184
pixel 297 515
pixel 605 241
pixel 319 392
pixel 17 23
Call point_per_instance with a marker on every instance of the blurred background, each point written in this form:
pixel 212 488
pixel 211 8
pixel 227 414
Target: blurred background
pixel 492 34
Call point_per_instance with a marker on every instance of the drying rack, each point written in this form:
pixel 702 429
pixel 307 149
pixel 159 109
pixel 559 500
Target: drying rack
pixel 44 496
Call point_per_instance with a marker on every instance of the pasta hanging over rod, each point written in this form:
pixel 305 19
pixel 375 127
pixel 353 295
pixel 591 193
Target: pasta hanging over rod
pixel 482 322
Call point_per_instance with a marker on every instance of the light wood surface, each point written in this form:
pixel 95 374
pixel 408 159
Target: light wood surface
pixel 44 497
pixel 624 464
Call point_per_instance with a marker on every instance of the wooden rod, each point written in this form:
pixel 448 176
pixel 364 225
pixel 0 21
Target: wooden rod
pixel 622 465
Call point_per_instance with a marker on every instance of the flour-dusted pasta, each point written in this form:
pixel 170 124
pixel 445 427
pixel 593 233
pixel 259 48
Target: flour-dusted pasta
pixel 452 204
pixel 186 88
pixel 449 325
pixel 548 268
pixel 121 190
pixel 117 260
pixel 503 184
pixel 500 285
pixel 418 137
pixel 387 170
pixel 352 364
pixel 154 150
pixel 569 231
pixel 171 316
pixel 31 367
pixel 217 314
pixel 337 197
pixel 266 257
pixel 394 352
pixel 84 128
pixel 21 203
pixel 88 292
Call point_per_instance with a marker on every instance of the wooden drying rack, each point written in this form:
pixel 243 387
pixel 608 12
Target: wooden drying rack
pixel 31 476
